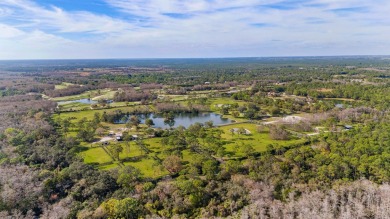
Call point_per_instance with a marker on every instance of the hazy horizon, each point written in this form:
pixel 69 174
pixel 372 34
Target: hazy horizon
pixel 179 58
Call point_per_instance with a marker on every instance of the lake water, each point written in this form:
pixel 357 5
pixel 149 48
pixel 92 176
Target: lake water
pixel 184 119
pixel 85 101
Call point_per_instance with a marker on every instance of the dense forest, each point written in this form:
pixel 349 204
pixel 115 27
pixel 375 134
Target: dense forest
pixel 334 163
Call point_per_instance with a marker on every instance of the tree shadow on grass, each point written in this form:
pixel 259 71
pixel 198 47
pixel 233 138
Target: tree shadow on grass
pixel 134 159
pixel 225 142
pixel 244 138
pixel 80 149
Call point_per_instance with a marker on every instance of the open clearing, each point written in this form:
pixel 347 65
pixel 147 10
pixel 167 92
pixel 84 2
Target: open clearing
pixel 150 163
pixel 259 141
pixel 63 85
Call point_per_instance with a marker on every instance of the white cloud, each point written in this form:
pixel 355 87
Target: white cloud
pixel 29 14
pixel 9 31
pixel 196 28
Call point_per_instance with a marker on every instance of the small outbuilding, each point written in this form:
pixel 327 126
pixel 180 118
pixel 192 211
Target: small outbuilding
pixel 348 127
pixel 119 137
pixel 238 130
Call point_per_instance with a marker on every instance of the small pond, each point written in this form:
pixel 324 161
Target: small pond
pixel 85 101
pixel 182 119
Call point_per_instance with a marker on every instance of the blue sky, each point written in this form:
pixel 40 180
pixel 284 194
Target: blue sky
pixel 54 29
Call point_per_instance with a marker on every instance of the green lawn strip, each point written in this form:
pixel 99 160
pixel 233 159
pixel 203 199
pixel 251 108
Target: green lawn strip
pixel 123 104
pixel 174 97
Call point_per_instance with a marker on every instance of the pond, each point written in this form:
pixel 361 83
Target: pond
pixel 85 101
pixel 182 119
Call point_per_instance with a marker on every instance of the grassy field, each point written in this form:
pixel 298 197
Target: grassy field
pixel 84 95
pixel 149 168
pixel 94 94
pixel 152 168
pixel 136 158
pixel 95 155
pixel 105 94
pixel 63 85
pixel 149 164
pixel 74 106
pixel 213 103
pixel 90 113
pixel 258 141
pixel 174 97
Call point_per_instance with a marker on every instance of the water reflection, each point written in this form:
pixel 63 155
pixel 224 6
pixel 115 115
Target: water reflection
pixel 180 119
pixel 85 101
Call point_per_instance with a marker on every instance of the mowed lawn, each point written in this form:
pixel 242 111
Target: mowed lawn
pixel 95 155
pixel 147 165
pixel 258 141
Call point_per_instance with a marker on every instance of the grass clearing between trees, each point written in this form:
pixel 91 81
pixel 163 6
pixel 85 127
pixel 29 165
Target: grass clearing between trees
pixel 258 141
pixel 63 85
pixel 150 164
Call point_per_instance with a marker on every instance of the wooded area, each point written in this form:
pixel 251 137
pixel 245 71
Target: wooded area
pixel 302 139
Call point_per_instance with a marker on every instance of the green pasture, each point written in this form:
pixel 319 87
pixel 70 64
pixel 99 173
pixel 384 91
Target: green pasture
pixel 152 168
pixel 74 106
pixel 95 155
pixel 258 141
pixel 63 85
pixel 148 165
pixel 214 102
pixel 84 95
pixel 134 157
pixel 105 94
pixel 94 94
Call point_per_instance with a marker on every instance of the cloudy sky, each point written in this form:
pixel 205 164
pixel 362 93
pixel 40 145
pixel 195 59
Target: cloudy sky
pixel 54 29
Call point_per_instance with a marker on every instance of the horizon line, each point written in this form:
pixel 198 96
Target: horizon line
pixel 226 57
